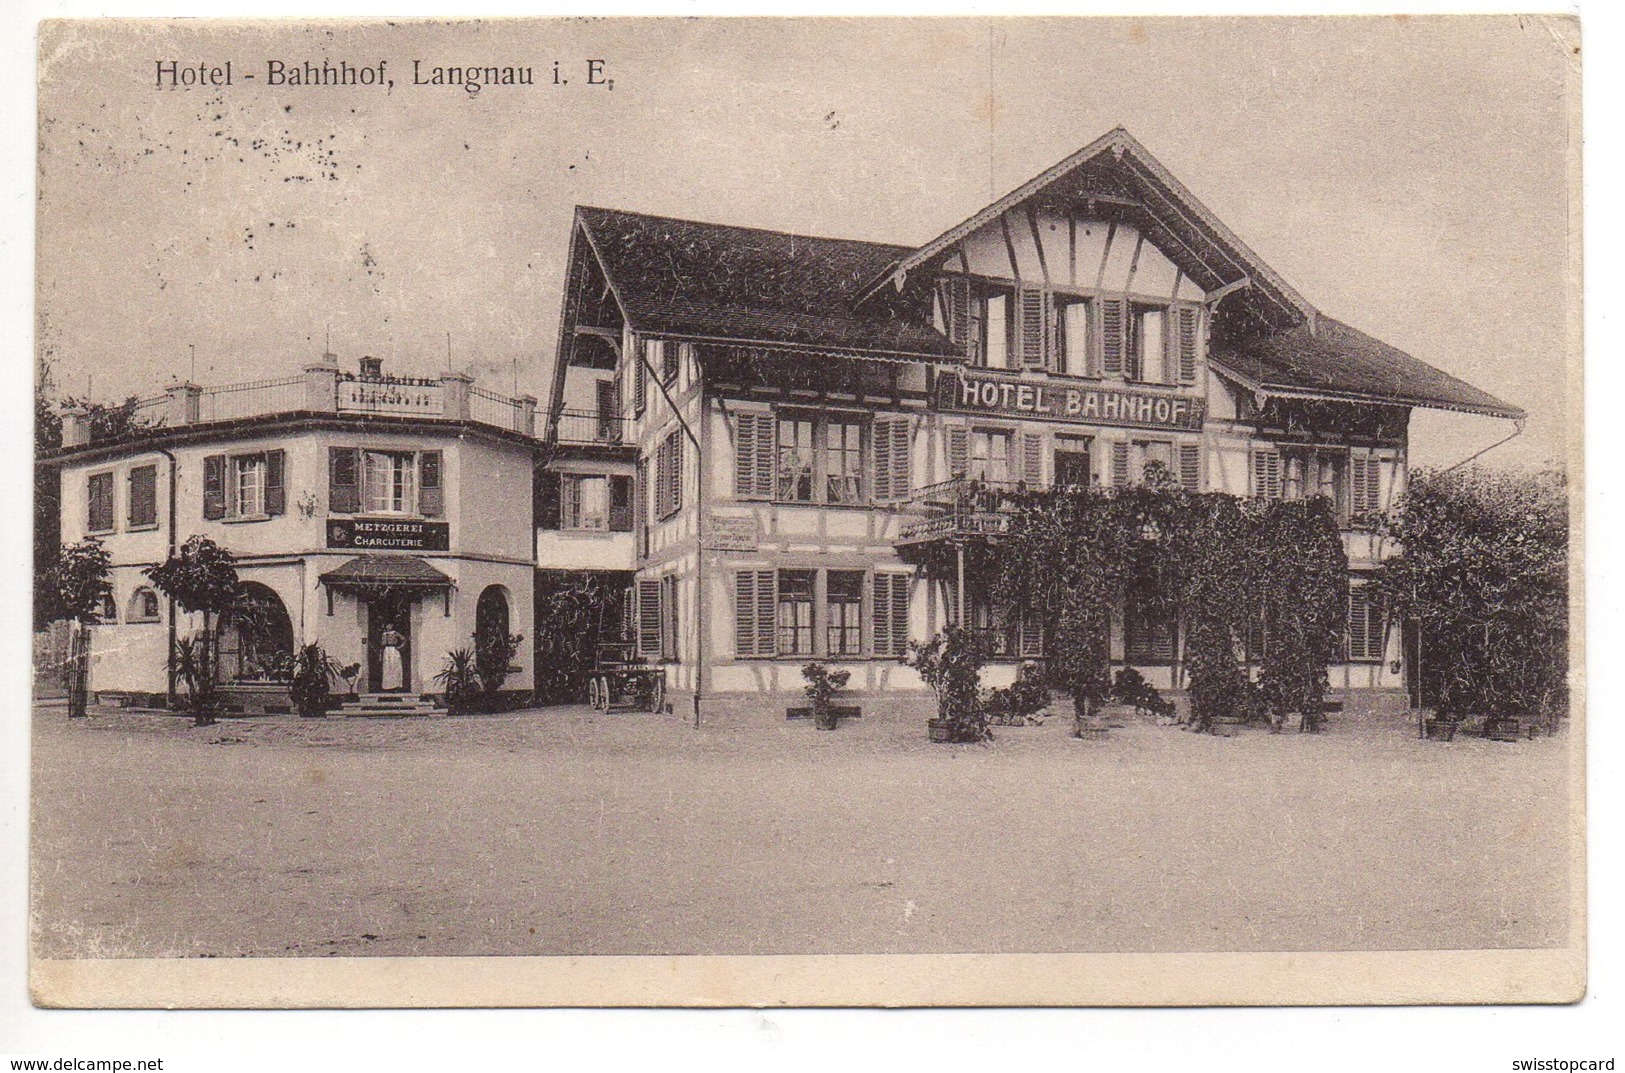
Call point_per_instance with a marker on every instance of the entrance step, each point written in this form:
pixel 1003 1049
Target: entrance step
pixel 390 704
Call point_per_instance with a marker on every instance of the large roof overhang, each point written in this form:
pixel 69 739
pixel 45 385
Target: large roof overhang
pixel 1147 194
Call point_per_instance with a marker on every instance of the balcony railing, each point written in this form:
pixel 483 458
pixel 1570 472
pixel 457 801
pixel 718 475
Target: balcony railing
pixel 961 507
pixel 590 426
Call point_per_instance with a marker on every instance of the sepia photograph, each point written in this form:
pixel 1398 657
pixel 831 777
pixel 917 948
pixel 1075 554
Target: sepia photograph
pixel 871 512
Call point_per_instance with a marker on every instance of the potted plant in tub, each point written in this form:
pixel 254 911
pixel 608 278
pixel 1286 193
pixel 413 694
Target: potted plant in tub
pixel 310 679
pixel 822 685
pixel 951 664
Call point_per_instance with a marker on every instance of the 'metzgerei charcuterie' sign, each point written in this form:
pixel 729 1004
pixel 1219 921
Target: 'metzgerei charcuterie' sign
pixel 1067 402
pixel 388 534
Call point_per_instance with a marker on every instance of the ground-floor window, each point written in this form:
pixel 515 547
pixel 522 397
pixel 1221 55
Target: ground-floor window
pixel 796 612
pixel 844 614
pixel 807 612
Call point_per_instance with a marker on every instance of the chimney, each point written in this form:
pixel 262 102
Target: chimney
pixel 372 368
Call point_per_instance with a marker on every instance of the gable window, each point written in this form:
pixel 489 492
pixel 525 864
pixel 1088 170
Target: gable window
pixel 1071 334
pixel 245 487
pixel 143 505
pixel 99 509
pixel 844 612
pixel 796 612
pixel 1148 347
pixel 992 328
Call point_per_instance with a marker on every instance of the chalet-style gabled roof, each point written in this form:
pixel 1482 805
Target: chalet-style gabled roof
pixel 1123 175
pixel 740 284
pixel 1335 361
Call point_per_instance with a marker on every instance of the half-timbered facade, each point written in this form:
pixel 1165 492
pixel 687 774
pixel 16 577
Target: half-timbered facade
pixel 787 426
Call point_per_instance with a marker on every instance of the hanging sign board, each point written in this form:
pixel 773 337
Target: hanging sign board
pixel 1078 404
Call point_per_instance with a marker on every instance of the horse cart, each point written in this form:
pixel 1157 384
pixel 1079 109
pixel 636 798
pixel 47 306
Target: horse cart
pixel 621 683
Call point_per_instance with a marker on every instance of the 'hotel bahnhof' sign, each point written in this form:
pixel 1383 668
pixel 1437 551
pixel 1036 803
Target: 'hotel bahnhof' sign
pixel 1064 402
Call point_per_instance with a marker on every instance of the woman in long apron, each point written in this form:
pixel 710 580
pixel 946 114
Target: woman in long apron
pixel 394 679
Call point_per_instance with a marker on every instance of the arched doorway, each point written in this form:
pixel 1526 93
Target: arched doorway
pixel 494 647
pixel 255 638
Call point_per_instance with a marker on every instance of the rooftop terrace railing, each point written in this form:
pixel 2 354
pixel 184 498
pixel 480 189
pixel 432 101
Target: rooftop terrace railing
pixel 321 389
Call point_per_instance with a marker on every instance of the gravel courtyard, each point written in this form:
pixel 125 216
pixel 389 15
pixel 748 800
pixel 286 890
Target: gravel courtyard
pixel 561 831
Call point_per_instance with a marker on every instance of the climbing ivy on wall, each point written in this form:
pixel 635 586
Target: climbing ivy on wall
pixel 1227 568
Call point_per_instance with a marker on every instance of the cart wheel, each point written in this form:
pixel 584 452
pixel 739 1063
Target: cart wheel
pixel 594 694
pixel 657 693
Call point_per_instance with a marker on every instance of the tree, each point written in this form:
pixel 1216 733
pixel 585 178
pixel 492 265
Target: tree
pixel 78 581
pixel 201 577
pixel 1483 579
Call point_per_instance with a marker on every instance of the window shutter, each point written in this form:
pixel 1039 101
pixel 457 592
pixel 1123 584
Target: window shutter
pixel 1186 332
pixel 676 503
pixel 890 614
pixel 1364 486
pixel 893 480
pixel 620 504
pixel 640 386
pixel 1266 473
pixel 1190 466
pixel 99 503
pixel 1120 470
pixel 1032 459
pixel 755 611
pixel 214 487
pixel 569 501
pixel 1032 320
pixel 649 617
pixel 958 450
pixel 276 488
pixel 549 500
pixel 144 496
pixel 431 487
pixel 755 448
pixel 1113 335
pixel 344 481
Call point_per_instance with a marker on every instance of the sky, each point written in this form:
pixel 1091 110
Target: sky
pixel 1407 175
